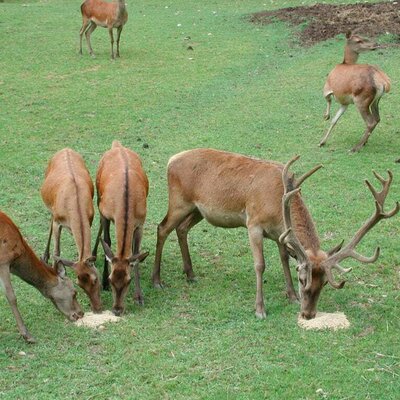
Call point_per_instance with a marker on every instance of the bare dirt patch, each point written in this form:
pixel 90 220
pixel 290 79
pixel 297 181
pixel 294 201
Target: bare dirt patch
pixel 325 21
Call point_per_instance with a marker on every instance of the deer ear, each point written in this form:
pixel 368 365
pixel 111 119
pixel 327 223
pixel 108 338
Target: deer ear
pixel 91 260
pixel 348 34
pixel 62 261
pixel 108 252
pixel 59 268
pixel 139 257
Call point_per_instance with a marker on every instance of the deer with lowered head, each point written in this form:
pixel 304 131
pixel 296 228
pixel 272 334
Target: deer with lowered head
pixel 16 257
pixel 122 189
pixel 361 84
pixel 101 13
pixel 68 191
pixel 230 190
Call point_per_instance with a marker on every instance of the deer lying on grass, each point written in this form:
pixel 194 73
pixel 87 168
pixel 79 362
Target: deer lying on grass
pixel 230 190
pixel 122 189
pixel 16 257
pixel 67 192
pixel 361 84
pixel 108 15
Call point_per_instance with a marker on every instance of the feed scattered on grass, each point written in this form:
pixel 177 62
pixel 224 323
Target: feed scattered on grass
pixel 323 320
pixel 92 320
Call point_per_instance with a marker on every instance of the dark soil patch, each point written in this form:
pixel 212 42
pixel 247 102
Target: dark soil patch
pixel 325 21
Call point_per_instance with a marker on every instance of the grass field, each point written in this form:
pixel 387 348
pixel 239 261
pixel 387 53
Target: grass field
pixel 244 88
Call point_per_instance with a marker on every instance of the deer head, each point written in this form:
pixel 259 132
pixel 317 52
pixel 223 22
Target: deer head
pixel 120 276
pixel 359 44
pixel 87 279
pixel 315 269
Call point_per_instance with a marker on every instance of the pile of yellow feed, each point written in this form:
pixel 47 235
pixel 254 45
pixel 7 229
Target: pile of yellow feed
pixel 323 320
pixel 92 320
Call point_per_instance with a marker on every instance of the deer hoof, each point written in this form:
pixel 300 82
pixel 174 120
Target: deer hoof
pixel 158 285
pixel 139 300
pixel 29 339
pixel 261 314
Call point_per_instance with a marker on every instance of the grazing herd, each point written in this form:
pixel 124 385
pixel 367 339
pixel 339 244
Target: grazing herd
pixel 226 189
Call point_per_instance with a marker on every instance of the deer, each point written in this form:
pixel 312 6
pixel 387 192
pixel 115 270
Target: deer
pixel 67 192
pixel 16 257
pixel 101 13
pixel 231 190
pixel 122 188
pixel 359 84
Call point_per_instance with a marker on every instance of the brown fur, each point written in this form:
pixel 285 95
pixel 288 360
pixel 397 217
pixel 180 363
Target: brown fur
pixel 101 13
pixel 17 257
pixel 122 189
pixel 230 190
pixel 361 84
pixel 68 193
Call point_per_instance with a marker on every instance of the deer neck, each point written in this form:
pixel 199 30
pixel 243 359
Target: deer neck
pixel 304 226
pixel 350 56
pixel 33 271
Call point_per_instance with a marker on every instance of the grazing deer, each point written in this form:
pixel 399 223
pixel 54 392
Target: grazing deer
pixel 108 15
pixel 67 192
pixel 361 84
pixel 122 189
pixel 230 190
pixel 16 257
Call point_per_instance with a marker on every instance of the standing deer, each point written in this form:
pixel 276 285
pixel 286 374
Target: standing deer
pixel 16 257
pixel 361 84
pixel 67 192
pixel 108 15
pixel 230 190
pixel 122 189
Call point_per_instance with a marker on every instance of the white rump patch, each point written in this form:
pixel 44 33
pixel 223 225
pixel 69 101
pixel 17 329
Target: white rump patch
pixel 93 320
pixel 323 320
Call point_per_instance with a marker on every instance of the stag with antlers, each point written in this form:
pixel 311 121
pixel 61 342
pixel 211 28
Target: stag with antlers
pixel 230 190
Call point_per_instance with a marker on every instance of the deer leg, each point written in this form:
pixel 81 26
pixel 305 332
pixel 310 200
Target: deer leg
pixel 110 31
pixel 335 119
pixel 106 229
pixel 96 244
pixel 119 30
pixel 371 122
pixel 46 254
pixel 182 231
pixel 137 239
pixel 256 244
pixel 85 23
pixel 88 32
pixel 291 293
pixel 327 113
pixel 5 280
pixel 168 224
pixel 57 236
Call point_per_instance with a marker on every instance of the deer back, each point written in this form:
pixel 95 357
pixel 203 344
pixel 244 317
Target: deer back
pixel 122 188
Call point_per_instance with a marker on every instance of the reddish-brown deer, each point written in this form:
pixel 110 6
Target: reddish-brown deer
pixel 67 192
pixel 122 189
pixel 101 13
pixel 230 190
pixel 361 84
pixel 16 257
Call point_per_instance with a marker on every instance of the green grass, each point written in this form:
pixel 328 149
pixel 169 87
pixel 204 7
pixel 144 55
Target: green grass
pixel 244 88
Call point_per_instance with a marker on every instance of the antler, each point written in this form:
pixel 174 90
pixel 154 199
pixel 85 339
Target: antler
pixel 348 251
pixel 288 237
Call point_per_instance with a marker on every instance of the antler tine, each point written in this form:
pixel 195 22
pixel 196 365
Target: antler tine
pixel 332 281
pixel 300 180
pixel 380 196
pixel 285 171
pixel 288 236
pixel 379 214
